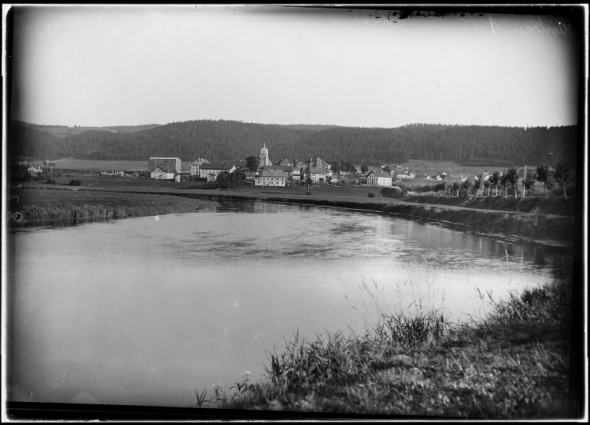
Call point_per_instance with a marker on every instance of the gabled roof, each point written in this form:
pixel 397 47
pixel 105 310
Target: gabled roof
pixel 285 168
pixel 314 170
pixel 381 174
pixel 201 161
pixel 272 173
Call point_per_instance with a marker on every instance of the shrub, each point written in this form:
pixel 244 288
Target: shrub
pixel 51 181
pixel 371 195
pixel 308 193
pixel 75 183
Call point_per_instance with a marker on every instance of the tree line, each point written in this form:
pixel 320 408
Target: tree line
pixel 219 140
pixel 504 183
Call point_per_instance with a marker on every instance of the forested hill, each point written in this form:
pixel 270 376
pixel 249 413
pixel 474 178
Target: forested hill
pixel 219 140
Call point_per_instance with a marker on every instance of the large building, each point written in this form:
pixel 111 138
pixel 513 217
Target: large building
pixel 271 178
pixel 167 164
pixel 196 166
pixel 379 178
pixel 318 175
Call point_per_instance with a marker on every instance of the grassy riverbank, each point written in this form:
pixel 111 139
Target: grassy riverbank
pixel 532 219
pixel 36 205
pixel 514 364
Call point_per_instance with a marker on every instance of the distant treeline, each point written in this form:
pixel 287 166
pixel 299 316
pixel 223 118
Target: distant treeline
pixel 220 140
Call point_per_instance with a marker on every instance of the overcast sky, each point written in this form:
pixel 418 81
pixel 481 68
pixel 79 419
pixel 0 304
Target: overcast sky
pixel 114 65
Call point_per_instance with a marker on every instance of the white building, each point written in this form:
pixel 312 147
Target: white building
pixel 162 173
pixel 271 178
pixel 196 166
pixel 380 178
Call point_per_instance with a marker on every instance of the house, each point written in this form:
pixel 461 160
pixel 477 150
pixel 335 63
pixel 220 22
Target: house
pixel 379 178
pixel 210 171
pixel 318 175
pixel 163 173
pixel 285 162
pixel 271 178
pixel 296 174
pixel 170 164
pixel 196 166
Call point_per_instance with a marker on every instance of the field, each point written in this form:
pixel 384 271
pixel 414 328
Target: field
pixel 95 165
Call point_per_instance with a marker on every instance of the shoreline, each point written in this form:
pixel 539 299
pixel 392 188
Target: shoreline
pixel 509 226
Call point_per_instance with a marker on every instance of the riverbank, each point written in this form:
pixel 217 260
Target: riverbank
pixel 35 206
pixel 499 219
pixel 515 364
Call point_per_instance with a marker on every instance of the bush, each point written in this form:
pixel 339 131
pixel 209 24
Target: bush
pixel 51 181
pixel 75 183
pixel 371 195
pixel 308 193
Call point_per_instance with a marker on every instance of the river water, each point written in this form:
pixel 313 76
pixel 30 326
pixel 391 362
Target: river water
pixel 142 311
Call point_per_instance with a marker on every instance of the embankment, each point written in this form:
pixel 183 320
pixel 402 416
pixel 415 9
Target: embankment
pixel 29 207
pixel 515 364
pixel 556 206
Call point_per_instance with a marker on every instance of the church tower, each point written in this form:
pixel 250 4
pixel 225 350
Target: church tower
pixel 264 156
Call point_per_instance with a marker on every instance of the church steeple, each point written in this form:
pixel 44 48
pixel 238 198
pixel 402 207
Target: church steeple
pixel 264 156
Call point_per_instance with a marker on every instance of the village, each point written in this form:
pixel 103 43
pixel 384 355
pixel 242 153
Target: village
pixel 287 172
pixel 416 177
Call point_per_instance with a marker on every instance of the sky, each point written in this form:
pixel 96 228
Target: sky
pixel 131 65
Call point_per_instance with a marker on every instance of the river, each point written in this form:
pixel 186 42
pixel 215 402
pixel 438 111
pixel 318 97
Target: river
pixel 142 311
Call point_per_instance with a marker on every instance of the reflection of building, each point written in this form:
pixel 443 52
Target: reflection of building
pixel 210 171
pixel 271 178
pixel 196 166
pixel 264 159
pixel 168 164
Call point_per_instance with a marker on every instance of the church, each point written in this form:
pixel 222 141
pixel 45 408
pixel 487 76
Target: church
pixel 264 160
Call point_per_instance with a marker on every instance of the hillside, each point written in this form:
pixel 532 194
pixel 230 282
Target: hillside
pixel 65 131
pixel 219 140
